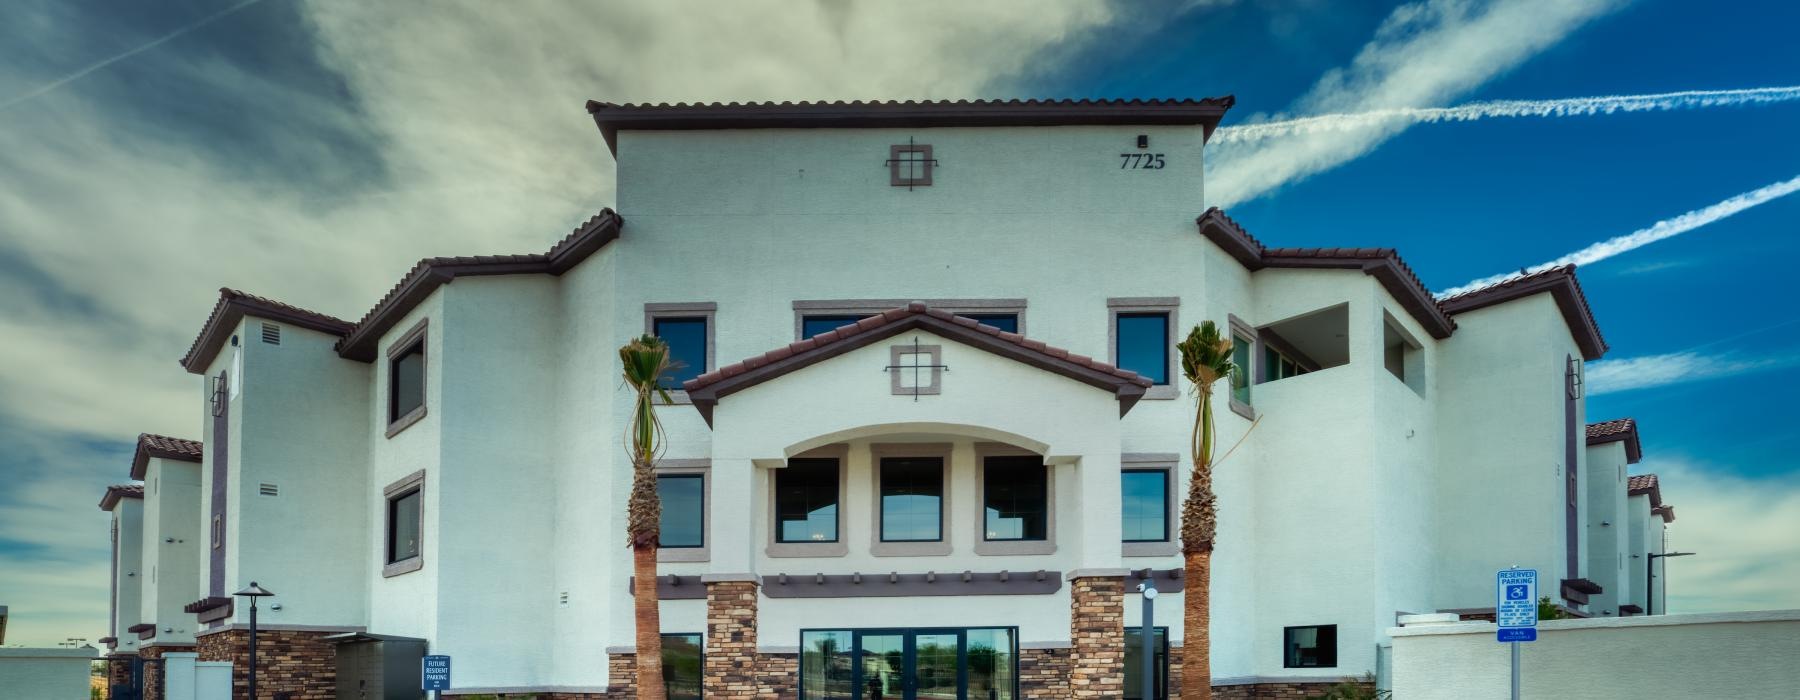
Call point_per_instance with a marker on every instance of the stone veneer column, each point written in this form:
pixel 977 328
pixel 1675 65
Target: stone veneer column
pixel 1097 631
pixel 297 664
pixel 730 637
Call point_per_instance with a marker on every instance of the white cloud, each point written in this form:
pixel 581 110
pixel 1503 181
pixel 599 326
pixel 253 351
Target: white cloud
pixel 1650 371
pixel 1667 228
pixel 1742 531
pixel 1424 54
pixel 1490 109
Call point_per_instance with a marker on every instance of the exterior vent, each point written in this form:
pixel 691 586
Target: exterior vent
pixel 269 490
pixel 563 600
pixel 271 334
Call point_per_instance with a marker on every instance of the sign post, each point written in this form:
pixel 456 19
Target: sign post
pixel 1516 612
pixel 434 674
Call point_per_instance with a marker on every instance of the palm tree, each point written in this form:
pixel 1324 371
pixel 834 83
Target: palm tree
pixel 1205 359
pixel 646 361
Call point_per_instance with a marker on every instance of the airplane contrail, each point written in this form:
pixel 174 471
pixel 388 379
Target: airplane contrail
pixel 77 75
pixel 1572 106
pixel 1667 228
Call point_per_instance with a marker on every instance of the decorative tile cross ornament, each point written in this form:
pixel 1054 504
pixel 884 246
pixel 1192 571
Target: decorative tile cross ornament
pixel 909 165
pixel 916 369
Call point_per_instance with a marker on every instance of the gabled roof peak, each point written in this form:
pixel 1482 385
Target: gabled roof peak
pixel 164 447
pixel 1618 430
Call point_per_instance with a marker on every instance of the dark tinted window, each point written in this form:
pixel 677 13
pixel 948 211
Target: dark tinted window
pixel 403 527
pixel 683 510
pixel 1134 654
pixel 406 382
pixel 1143 344
pixel 912 499
pixel 681 666
pixel 1309 647
pixel 806 495
pixel 1015 491
pixel 1005 322
pixel 814 325
pixel 1145 497
pixel 687 348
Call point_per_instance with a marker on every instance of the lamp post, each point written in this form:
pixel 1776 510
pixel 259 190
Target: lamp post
pixel 1650 574
pixel 1147 654
pixel 253 592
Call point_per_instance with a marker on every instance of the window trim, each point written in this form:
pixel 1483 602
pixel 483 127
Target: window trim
pixel 1166 462
pixel 415 336
pixel 776 549
pixel 1284 645
pixel 910 548
pixel 1239 329
pixel 1148 305
pixel 703 469
pixel 404 486
pixel 926 165
pixel 693 309
pixel 870 307
pixel 987 547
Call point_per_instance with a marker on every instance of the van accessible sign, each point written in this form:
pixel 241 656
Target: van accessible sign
pixel 1515 604
pixel 434 673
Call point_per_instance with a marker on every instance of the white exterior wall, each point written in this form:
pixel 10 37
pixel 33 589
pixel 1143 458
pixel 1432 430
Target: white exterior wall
pixel 170 549
pixel 1646 539
pixel 1608 528
pixel 1499 497
pixel 45 673
pixel 128 517
pixel 406 605
pixel 1722 655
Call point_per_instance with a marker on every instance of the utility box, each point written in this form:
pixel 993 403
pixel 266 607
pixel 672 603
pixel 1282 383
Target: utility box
pixel 378 666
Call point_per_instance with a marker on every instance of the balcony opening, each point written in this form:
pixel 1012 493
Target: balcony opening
pixel 1402 354
pixel 1306 343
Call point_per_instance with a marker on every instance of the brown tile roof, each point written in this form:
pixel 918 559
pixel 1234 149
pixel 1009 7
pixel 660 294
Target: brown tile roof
pixel 118 491
pixel 150 445
pixel 232 306
pixel 1620 430
pixel 1648 484
pixel 1560 282
pixel 613 118
pixel 430 273
pixel 706 389
pixel 1384 264
pixel 1641 483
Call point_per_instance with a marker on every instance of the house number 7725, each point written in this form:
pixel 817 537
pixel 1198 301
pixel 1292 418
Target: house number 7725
pixel 1141 161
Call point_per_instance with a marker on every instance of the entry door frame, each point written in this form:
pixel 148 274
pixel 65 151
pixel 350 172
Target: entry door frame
pixel 910 637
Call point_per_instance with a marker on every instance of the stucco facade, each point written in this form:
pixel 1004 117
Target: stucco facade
pixel 1372 485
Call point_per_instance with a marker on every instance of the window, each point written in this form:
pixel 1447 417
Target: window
pixel 1309 647
pixel 1134 654
pixel 1005 322
pixel 686 337
pixel 218 531
pixel 806 501
pixel 1145 496
pixel 1243 348
pixel 403 526
pixel 1143 345
pixel 912 499
pixel 1015 495
pixel 406 380
pixel 814 325
pixel 683 521
pixel 910 165
pixel 682 664
pixel 1279 366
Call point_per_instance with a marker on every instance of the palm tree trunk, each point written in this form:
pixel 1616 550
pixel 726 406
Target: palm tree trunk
pixel 1196 622
pixel 649 624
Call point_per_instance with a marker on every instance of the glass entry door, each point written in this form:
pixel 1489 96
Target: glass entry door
pixel 910 665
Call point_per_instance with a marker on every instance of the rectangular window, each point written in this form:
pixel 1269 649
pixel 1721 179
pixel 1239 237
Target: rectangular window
pixel 1145 496
pixel 827 665
pixel 1005 322
pixel 686 336
pixel 407 381
pixel 806 501
pixel 1309 647
pixel 404 526
pixel 1134 654
pixel 1142 344
pixel 1242 348
pixel 814 325
pixel 682 663
pixel 683 521
pixel 1015 492
pixel 1279 366
pixel 912 499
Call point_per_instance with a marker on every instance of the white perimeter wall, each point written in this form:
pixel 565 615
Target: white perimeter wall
pixel 50 674
pixel 1721 655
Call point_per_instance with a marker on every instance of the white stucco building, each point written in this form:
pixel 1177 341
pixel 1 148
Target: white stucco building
pixel 930 411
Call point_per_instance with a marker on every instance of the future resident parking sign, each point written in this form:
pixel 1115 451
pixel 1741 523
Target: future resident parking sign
pixel 1515 604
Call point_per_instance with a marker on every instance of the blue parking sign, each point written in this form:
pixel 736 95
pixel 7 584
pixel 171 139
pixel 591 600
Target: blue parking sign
pixel 1515 604
pixel 434 673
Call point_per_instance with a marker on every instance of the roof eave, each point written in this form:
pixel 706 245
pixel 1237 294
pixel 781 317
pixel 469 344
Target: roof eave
pixel 230 311
pixel 1564 290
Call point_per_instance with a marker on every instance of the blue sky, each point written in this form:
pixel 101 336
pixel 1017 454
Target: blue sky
pixel 310 151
